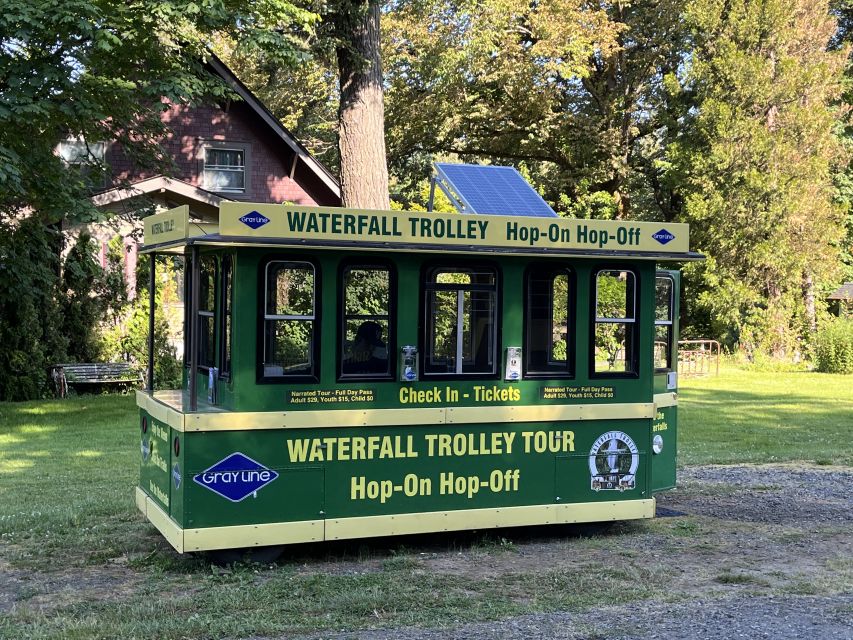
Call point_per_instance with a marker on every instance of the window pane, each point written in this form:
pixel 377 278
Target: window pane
pixel 559 317
pixel 224 180
pixel 205 340
pixel 443 315
pixel 478 331
pixel 290 290
pixel 79 152
pixel 367 292
pixel 207 283
pixel 547 322
pixel 663 333
pixel 611 350
pixel 224 157
pixel 288 347
pixel 365 348
pixel 464 277
pixel 461 322
pixel 663 299
pixel 614 295
pixel 225 364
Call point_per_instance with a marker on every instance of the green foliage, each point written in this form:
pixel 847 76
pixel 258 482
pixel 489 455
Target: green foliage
pixel 98 69
pixel 756 167
pixel 125 334
pixel 128 342
pixel 31 338
pixel 83 302
pixel 833 347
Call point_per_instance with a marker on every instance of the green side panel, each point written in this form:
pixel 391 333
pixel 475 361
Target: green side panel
pixel 341 473
pixel 664 463
pixel 666 421
pixel 618 475
pixel 178 476
pixel 155 458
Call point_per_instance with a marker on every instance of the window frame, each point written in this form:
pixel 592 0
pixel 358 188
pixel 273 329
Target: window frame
pixel 558 370
pixel 426 287
pixel 225 145
pixel 666 323
pixel 314 376
pixel 94 161
pixel 632 324
pixel 391 339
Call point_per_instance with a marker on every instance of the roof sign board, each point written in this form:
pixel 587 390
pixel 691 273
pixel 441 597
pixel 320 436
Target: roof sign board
pixel 491 190
pixel 327 224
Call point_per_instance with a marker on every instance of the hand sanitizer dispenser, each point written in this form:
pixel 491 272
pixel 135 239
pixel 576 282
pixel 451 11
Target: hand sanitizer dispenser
pixel 408 364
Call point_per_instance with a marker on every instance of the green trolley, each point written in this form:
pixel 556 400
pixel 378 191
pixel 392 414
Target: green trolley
pixel 354 373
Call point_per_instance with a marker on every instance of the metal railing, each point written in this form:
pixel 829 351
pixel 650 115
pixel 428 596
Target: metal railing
pixel 698 357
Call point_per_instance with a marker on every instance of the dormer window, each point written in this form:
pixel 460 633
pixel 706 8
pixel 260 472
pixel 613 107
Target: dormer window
pixel 80 152
pixel 225 168
pixel 88 158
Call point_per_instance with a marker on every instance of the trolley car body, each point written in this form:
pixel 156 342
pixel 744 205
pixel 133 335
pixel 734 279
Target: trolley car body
pixel 363 373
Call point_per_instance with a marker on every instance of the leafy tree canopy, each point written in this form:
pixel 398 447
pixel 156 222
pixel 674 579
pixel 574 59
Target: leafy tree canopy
pixel 98 70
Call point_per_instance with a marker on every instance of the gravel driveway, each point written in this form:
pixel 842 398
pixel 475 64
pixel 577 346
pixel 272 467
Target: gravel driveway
pixel 759 552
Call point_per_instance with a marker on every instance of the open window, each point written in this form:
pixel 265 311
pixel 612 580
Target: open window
pixel 664 305
pixel 548 323
pixel 367 341
pixel 289 321
pixel 461 321
pixel 615 322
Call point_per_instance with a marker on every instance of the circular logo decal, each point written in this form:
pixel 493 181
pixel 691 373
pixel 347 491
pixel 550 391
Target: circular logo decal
pixel 613 462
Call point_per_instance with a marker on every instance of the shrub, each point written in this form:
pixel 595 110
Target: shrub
pixel 30 314
pixel 833 347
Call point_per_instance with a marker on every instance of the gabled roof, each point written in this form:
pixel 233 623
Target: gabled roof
pixel 844 292
pixel 202 203
pixel 280 131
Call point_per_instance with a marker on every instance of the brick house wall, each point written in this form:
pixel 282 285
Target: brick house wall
pixel 269 160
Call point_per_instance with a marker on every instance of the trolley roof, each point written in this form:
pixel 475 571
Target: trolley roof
pixel 273 225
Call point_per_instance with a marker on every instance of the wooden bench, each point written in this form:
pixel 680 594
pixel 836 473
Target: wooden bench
pixel 76 374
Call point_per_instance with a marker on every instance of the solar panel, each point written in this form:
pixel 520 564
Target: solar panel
pixel 502 191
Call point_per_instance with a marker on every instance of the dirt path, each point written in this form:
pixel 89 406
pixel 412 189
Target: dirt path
pixel 760 552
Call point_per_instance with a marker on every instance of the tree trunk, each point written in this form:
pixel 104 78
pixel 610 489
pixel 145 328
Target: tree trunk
pixel 809 299
pixel 364 172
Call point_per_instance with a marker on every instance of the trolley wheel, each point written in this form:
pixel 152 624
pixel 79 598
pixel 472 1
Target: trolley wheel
pixel 255 555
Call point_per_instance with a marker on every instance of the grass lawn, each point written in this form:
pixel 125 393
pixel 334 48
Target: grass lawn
pixel 68 523
pixel 755 417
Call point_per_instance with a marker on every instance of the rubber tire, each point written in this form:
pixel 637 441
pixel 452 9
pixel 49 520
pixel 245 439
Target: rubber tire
pixel 251 555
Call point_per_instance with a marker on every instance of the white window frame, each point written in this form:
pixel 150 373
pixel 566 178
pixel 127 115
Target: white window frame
pixel 224 145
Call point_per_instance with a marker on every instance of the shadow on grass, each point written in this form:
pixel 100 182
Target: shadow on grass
pixel 375 554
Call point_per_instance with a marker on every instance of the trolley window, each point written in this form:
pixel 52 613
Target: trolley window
pixel 225 331
pixel 289 320
pixel 461 309
pixel 549 331
pixel 615 319
pixel 663 323
pixel 206 311
pixel 367 325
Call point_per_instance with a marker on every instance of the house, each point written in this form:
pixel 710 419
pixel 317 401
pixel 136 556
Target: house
pixel 236 151
pixel 841 300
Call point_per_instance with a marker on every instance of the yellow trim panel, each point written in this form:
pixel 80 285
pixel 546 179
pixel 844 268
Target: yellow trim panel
pixel 666 400
pixel 159 409
pixel 256 535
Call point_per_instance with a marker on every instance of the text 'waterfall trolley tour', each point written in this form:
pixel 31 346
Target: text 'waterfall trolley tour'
pixel 352 373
